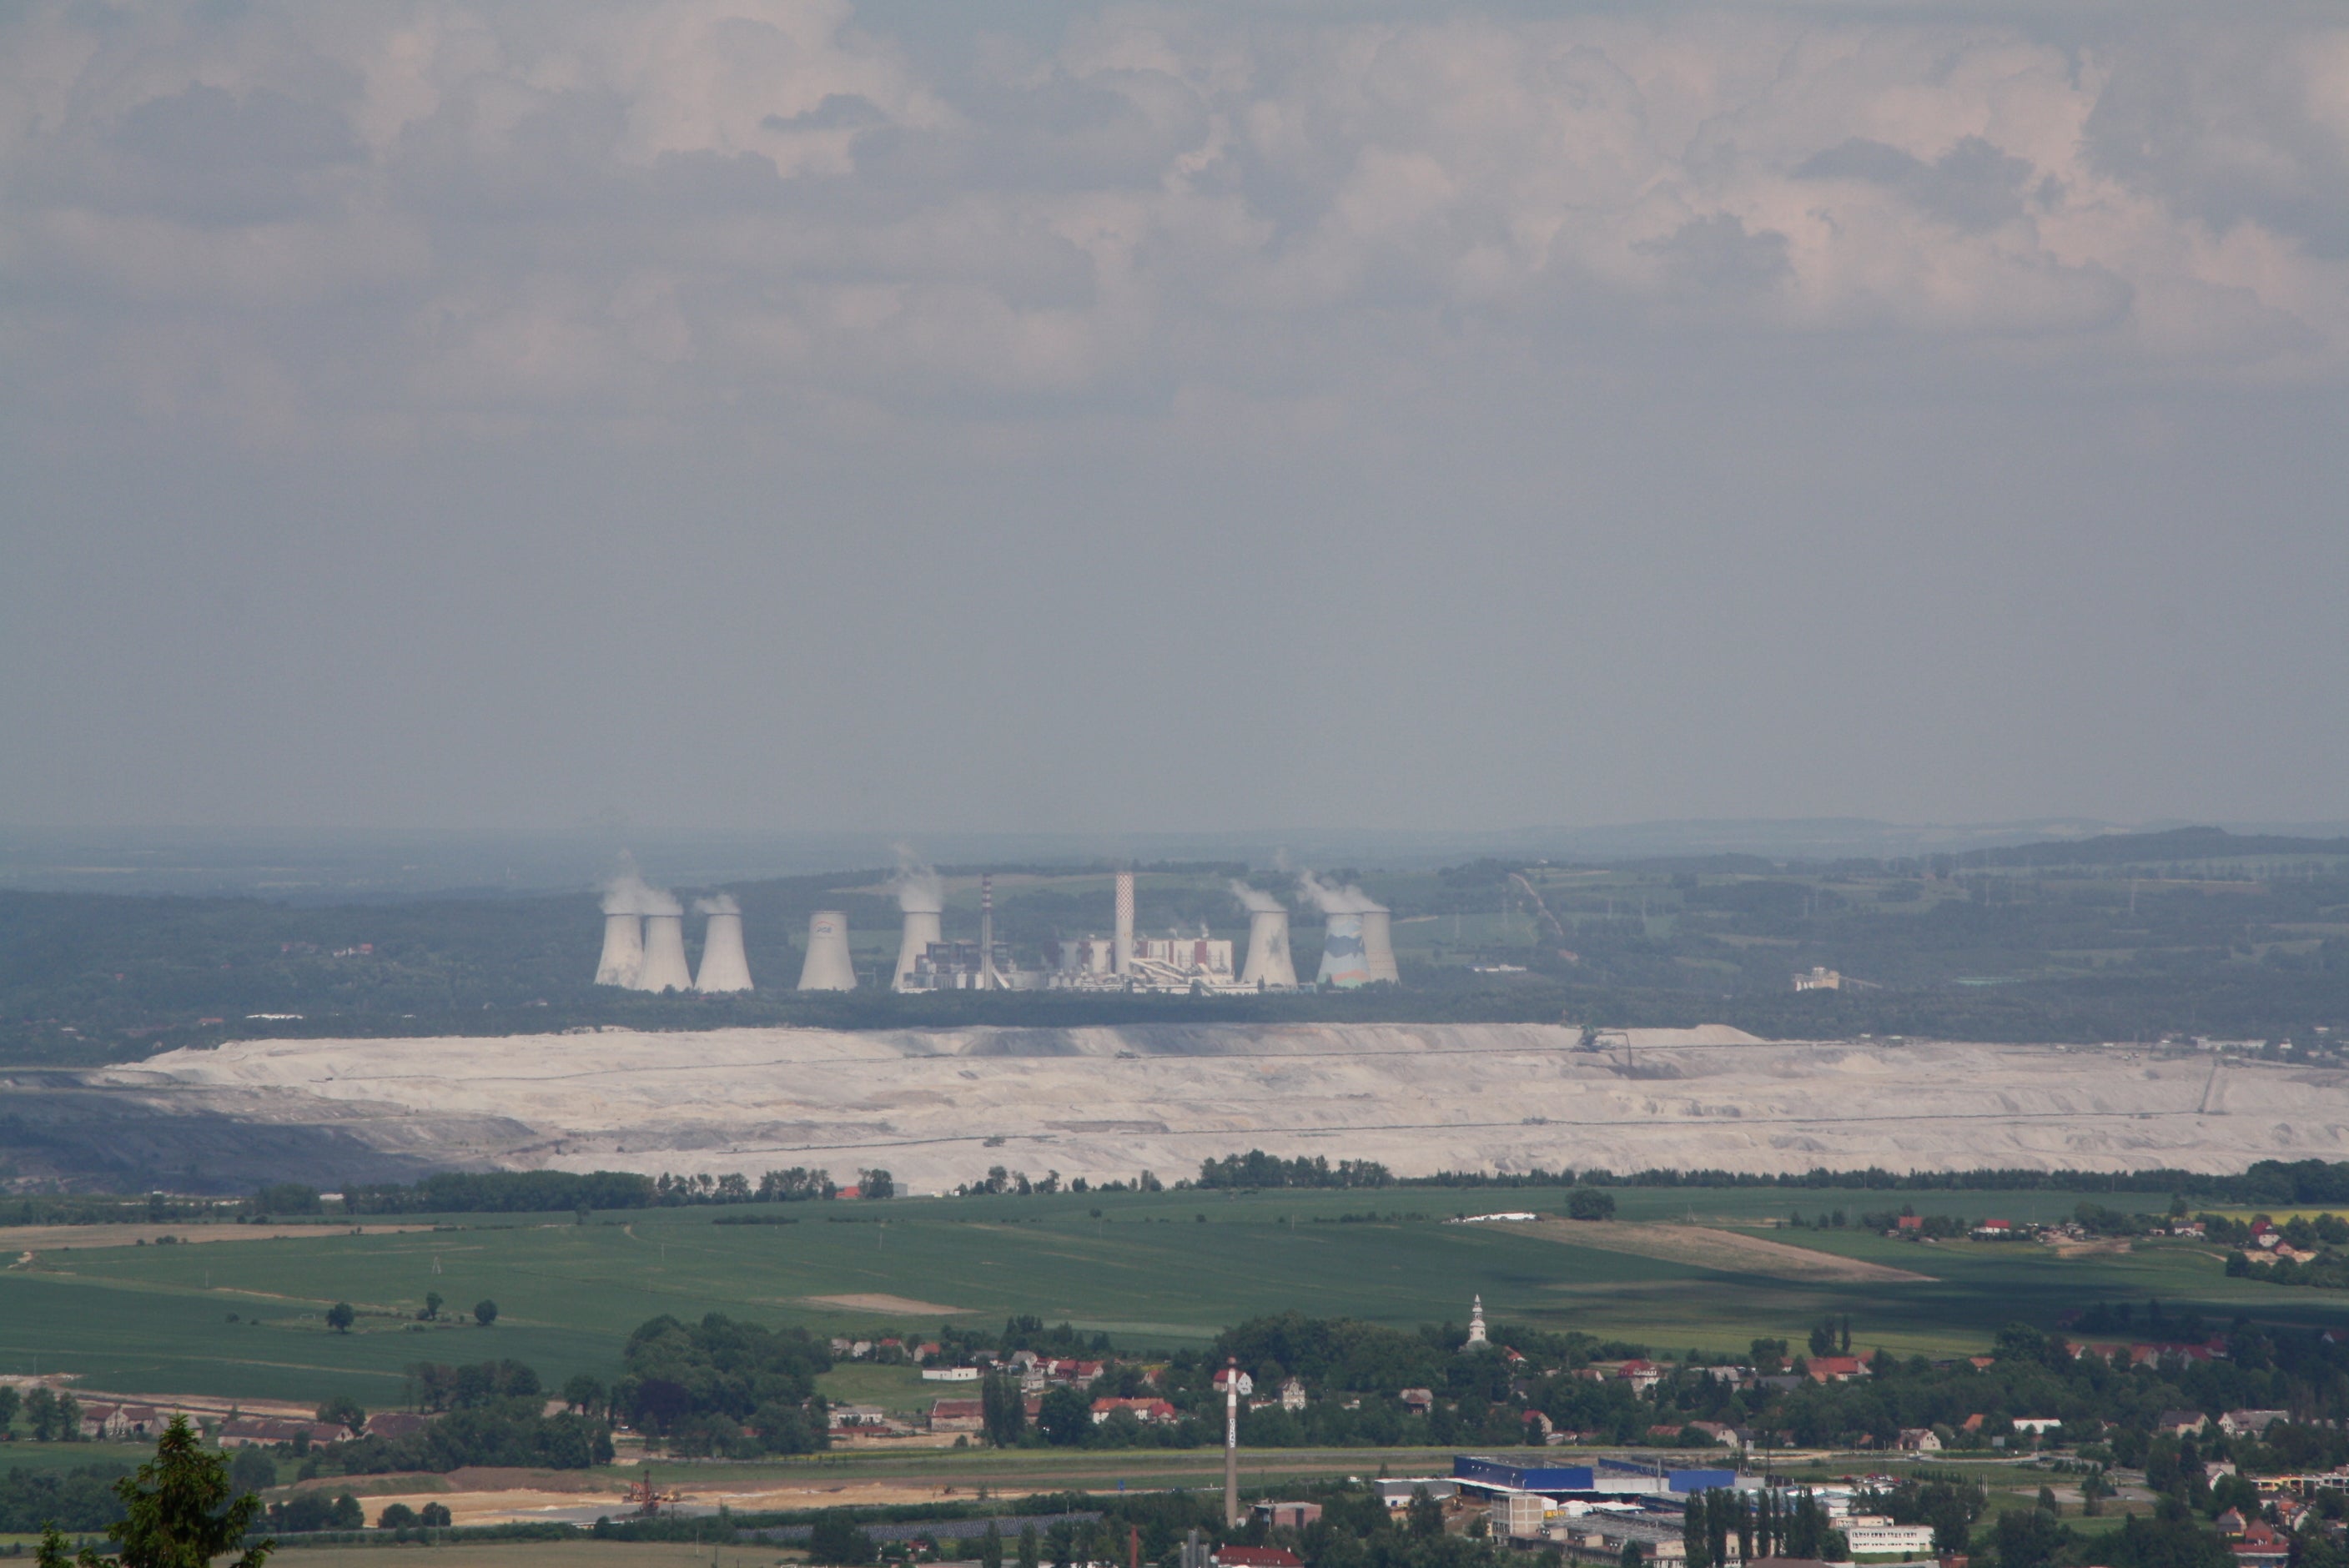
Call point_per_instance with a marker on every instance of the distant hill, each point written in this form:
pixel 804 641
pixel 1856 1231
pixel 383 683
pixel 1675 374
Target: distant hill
pixel 2176 846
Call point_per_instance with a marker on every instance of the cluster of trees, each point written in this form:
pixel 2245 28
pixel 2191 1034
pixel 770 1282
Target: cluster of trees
pixel 720 1386
pixel 54 1417
pixel 1000 1182
pixel 82 1500
pixel 306 1511
pixel 555 1192
pixel 1256 1168
pixel 1758 1524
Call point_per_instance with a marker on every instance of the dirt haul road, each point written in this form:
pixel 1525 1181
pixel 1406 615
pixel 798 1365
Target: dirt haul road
pixel 1105 1103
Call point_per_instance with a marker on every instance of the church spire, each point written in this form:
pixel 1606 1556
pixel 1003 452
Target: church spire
pixel 1476 1321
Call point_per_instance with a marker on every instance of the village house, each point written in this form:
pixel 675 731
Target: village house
pixel 861 1417
pixel 1418 1401
pixel 1920 1440
pixel 1255 1557
pixel 2249 1423
pixel 123 1423
pixel 1151 1412
pixel 958 1415
pixel 2263 1546
pixel 1288 1515
pixel 1640 1374
pixel 393 1424
pixel 1292 1393
pixel 2180 1423
pixel 1836 1368
pixel 263 1431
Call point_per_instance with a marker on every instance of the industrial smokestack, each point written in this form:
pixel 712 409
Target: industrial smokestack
pixel 827 967
pixel 623 949
pixel 724 966
pixel 1268 961
pixel 986 976
pixel 1378 946
pixel 665 967
pixel 1122 955
pixel 922 898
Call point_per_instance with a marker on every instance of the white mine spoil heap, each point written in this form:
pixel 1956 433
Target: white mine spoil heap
pixel 1105 1103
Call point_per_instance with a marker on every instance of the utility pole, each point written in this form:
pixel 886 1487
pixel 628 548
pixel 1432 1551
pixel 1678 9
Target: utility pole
pixel 1232 1443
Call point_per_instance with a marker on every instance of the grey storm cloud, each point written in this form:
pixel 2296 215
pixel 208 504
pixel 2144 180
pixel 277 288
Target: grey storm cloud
pixel 433 408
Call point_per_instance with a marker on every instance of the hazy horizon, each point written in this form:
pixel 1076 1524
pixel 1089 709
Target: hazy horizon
pixel 803 416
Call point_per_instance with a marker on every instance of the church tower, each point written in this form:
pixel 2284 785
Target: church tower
pixel 1475 1324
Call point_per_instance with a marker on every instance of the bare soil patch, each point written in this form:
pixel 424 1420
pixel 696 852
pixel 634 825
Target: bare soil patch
pixel 1728 1251
pixel 50 1238
pixel 880 1300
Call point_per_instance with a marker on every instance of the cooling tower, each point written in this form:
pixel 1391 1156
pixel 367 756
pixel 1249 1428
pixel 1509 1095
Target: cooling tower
pixel 922 928
pixel 624 950
pixel 723 965
pixel 1122 953
pixel 1342 960
pixel 827 967
pixel 665 968
pixel 1378 946
pixel 1268 963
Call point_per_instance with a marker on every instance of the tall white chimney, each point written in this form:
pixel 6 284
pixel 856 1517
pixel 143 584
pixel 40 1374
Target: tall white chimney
pixel 724 966
pixel 1378 946
pixel 988 979
pixel 1122 955
pixel 922 928
pixel 624 950
pixel 1342 961
pixel 1268 963
pixel 827 967
pixel 665 967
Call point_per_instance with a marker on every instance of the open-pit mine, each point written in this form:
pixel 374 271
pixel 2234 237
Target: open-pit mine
pixel 939 1108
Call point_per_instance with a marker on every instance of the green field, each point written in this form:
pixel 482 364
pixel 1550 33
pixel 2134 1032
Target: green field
pixel 1162 1270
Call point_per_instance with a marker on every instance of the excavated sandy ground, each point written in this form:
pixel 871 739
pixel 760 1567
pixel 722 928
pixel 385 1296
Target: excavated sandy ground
pixel 939 1108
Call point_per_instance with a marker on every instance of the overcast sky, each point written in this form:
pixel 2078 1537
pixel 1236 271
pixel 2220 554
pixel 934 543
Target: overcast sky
pixel 796 415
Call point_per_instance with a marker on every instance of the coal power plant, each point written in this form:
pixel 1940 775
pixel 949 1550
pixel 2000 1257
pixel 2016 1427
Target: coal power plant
pixel 644 946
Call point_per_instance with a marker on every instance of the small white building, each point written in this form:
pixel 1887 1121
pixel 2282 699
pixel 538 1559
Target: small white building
pixel 1881 1538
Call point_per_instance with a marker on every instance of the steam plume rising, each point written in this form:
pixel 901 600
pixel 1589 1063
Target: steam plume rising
pixel 1254 900
pixel 628 893
pixel 919 890
pixel 716 904
pixel 1331 899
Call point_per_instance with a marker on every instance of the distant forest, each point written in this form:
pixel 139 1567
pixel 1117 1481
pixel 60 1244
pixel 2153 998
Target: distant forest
pixel 2120 938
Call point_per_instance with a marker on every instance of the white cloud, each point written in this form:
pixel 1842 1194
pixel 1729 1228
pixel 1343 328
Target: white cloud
pixel 560 209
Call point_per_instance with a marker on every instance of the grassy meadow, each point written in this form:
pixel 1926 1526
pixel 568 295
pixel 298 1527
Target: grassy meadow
pixel 1164 1269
